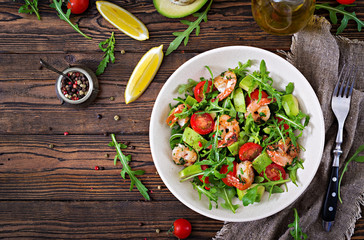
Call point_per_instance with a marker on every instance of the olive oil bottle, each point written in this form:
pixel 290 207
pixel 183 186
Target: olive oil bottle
pixel 282 17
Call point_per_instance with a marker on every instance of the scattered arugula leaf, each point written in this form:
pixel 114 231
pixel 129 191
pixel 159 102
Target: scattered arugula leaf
pixel 344 21
pixel 126 168
pixel 186 34
pixel 296 233
pixel 289 88
pixel 30 7
pixel 66 16
pixel 109 53
pixel 355 158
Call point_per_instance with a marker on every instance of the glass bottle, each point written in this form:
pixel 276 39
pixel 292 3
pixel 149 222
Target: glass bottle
pixel 282 17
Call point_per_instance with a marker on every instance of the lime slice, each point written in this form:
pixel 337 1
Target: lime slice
pixel 143 73
pixel 123 20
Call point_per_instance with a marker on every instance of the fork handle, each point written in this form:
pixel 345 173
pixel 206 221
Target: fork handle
pixel 329 208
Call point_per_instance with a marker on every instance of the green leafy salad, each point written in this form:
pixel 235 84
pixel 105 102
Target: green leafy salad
pixel 236 135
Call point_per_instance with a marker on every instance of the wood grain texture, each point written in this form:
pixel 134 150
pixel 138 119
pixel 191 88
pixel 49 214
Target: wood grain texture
pixel 55 193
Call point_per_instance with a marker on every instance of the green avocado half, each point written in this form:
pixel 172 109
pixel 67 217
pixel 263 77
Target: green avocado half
pixel 172 10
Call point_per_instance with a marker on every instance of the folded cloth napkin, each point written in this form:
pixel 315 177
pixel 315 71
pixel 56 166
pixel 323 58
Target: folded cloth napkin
pixel 319 56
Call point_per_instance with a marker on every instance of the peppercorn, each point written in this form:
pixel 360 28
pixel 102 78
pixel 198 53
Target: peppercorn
pixel 112 98
pixel 99 116
pixel 65 133
pixel 51 146
pixel 116 118
pixel 72 89
pixel 97 168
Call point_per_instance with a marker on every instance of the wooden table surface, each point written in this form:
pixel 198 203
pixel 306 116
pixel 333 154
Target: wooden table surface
pixel 55 192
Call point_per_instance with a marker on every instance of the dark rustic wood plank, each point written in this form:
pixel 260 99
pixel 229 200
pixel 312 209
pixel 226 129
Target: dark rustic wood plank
pixel 98 220
pixel 29 169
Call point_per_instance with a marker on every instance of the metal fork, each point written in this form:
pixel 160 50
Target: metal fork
pixel 340 104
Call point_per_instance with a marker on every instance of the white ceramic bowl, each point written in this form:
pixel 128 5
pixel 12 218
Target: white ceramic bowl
pixel 219 60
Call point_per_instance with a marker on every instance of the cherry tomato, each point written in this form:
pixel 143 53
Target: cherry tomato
pixel 77 6
pixel 181 228
pixel 273 172
pixel 254 96
pixel 249 151
pixel 229 179
pixel 198 92
pixel 280 120
pixel 202 123
pixel 345 1
pixel 204 167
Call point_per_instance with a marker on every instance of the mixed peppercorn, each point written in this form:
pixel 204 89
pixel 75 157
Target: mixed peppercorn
pixel 77 88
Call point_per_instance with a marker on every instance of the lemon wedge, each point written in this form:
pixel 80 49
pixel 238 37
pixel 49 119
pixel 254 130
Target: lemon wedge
pixel 123 20
pixel 143 73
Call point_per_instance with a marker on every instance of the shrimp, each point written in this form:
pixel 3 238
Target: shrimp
pixel 229 130
pixel 259 110
pixel 283 152
pixel 225 83
pixel 172 118
pixel 183 155
pixel 245 174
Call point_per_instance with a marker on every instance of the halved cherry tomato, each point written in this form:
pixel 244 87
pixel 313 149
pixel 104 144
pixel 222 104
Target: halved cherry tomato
pixel 273 172
pixel 202 123
pixel 204 167
pixel 345 2
pixel 249 151
pixel 229 179
pixel 181 228
pixel 198 92
pixel 280 120
pixel 254 96
pixel 78 6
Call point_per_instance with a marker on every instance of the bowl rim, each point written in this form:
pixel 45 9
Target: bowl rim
pixel 208 213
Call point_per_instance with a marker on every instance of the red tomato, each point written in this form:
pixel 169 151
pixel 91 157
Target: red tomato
pixel 202 123
pixel 181 228
pixel 346 2
pixel 254 96
pixel 198 92
pixel 249 151
pixel 229 179
pixel 78 6
pixel 285 125
pixel 273 172
pixel 203 167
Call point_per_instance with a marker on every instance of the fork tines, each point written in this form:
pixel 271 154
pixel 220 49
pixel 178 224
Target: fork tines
pixel 347 75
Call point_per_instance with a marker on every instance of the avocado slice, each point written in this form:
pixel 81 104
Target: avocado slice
pixel 193 139
pixel 171 10
pixel 260 192
pixel 190 101
pixel 247 83
pixel 239 100
pixel 290 105
pixel 261 162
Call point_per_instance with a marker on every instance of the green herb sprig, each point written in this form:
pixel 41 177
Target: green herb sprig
pixel 346 16
pixel 109 53
pixel 124 160
pixel 355 158
pixel 30 7
pixel 184 36
pixel 66 16
pixel 296 233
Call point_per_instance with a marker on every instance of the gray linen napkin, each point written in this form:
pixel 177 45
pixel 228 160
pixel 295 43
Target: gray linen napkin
pixel 320 56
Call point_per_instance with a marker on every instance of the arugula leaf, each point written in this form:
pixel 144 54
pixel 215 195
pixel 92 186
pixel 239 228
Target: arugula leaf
pixel 127 170
pixel 109 53
pixel 289 88
pixel 292 170
pixel 353 158
pixel 30 7
pixel 296 233
pixel 186 34
pixel 66 16
pixel 344 21
pixel 251 196
pixel 187 87
pixel 228 195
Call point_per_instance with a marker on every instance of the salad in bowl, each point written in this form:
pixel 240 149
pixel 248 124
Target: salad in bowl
pixel 237 133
